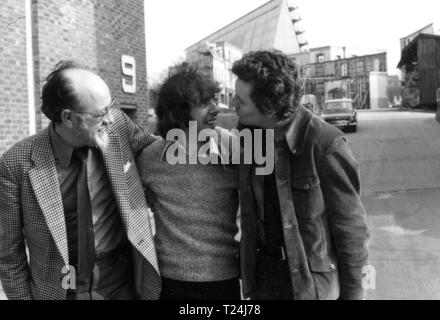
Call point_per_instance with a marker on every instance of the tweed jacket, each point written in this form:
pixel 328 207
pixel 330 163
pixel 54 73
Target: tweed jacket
pixel 33 239
pixel 323 219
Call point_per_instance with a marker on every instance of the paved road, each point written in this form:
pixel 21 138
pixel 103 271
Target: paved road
pixel 399 157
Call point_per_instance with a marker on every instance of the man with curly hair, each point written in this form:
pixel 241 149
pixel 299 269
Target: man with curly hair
pixel 195 204
pixel 304 226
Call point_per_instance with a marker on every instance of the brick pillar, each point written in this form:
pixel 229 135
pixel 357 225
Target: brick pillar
pixel 95 33
pixel 14 115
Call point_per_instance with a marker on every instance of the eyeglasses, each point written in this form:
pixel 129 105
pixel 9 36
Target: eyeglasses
pixel 103 113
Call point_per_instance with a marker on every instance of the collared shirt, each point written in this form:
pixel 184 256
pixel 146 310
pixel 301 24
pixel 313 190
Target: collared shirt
pixel 268 212
pixel 107 223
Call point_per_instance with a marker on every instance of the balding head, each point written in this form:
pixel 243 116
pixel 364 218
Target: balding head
pixel 70 86
pixel 90 90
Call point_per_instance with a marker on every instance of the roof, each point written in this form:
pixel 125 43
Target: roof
pixel 409 53
pixel 269 26
pixel 418 31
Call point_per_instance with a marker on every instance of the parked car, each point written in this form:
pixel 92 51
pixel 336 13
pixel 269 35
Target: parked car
pixel 340 113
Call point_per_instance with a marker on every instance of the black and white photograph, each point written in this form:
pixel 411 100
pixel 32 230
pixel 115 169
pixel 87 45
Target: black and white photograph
pixel 213 151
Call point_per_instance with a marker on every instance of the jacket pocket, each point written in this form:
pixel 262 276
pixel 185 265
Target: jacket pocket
pixel 307 197
pixel 325 276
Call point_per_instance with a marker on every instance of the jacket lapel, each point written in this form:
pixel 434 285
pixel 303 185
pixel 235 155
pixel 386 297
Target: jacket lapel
pixel 114 164
pixel 44 180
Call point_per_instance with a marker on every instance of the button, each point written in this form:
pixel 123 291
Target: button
pixel 294 151
pixel 289 226
pixel 333 266
pixel 307 186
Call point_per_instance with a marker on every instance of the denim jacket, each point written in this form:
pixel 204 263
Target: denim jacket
pixel 323 219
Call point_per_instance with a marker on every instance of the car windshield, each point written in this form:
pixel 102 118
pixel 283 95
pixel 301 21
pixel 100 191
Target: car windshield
pixel 338 106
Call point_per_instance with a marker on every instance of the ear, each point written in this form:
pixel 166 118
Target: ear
pixel 67 118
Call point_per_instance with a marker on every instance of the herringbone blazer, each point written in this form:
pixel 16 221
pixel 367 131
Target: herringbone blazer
pixel 32 215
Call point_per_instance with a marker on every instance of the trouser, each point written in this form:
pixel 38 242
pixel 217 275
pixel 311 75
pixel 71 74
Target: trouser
pixel 112 278
pixel 187 290
pixel 272 278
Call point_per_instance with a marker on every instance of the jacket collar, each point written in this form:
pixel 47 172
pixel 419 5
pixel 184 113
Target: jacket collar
pixel 44 181
pixel 294 130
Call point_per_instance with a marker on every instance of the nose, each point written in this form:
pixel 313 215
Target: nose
pixel 213 108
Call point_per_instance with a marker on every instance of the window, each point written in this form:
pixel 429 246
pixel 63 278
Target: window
pixel 359 67
pixel 376 64
pixel 344 70
pixel 222 98
pixel 319 70
pixel 320 57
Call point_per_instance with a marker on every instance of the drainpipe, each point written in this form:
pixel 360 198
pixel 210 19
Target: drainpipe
pixel 30 69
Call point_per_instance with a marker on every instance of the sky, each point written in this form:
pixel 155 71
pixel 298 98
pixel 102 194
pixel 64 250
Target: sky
pixel 174 25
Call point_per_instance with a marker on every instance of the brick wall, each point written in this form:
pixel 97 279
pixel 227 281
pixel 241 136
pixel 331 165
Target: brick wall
pixel 14 116
pixel 95 33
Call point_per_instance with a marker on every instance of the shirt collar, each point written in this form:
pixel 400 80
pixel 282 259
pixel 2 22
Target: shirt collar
pixel 294 129
pixel 62 150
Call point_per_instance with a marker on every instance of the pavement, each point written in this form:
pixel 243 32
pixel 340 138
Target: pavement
pixel 399 159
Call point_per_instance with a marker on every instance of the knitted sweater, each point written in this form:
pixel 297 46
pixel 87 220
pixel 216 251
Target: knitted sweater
pixel 195 209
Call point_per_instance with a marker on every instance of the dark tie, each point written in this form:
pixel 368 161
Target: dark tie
pixel 86 237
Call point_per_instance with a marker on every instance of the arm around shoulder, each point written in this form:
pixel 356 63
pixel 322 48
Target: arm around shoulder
pixel 139 137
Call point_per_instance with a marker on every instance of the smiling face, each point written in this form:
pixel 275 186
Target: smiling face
pixel 88 124
pixel 205 115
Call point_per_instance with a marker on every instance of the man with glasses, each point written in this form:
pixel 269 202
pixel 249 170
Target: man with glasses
pixel 71 194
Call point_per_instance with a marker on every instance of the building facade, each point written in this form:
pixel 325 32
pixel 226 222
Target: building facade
pixel 420 63
pixel 327 73
pixel 106 36
pixel 431 28
pixel 274 25
pixel 217 59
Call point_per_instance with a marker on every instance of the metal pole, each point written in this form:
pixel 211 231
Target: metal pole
pixel 30 69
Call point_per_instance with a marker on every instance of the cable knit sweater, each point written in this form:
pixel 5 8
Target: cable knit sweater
pixel 195 209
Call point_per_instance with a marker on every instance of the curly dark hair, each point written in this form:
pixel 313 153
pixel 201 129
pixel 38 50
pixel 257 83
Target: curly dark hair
pixel 57 94
pixel 185 87
pixel 274 79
